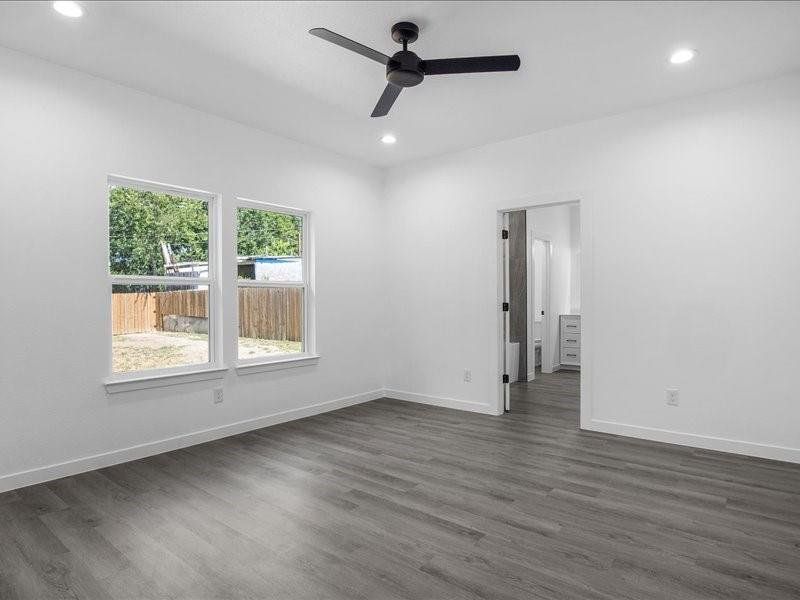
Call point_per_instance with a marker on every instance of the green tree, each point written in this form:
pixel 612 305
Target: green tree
pixel 139 222
pixel 264 233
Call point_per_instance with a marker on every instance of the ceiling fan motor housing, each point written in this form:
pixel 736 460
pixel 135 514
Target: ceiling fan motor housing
pixel 404 69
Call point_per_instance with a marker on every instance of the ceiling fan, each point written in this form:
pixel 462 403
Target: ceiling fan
pixel 406 69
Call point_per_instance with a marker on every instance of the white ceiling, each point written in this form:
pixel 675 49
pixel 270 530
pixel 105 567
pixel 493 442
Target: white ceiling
pixel 255 63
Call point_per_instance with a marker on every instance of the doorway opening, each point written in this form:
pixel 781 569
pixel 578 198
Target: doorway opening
pixel 541 299
pixel 538 304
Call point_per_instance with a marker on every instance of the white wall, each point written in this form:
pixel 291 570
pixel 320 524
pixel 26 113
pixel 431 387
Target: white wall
pixel 555 223
pixel 62 133
pixel 575 259
pixel 677 201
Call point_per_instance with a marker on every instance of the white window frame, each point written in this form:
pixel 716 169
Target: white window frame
pixel 214 368
pixel 281 361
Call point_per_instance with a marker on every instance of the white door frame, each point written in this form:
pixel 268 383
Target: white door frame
pixel 506 298
pixel 585 201
pixel 547 350
pixel 531 277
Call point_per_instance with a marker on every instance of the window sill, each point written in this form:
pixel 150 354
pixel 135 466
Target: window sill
pixel 303 360
pixel 115 385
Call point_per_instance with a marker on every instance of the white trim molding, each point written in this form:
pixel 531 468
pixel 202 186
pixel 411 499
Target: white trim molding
pixel 155 186
pixel 307 258
pixel 115 457
pixel 693 440
pixel 164 378
pixel 444 402
pixel 285 362
pixel 148 378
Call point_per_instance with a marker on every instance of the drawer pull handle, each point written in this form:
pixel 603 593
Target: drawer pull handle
pixel 572 355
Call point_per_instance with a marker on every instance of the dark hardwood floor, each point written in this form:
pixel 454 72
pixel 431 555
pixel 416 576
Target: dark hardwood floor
pixel 396 500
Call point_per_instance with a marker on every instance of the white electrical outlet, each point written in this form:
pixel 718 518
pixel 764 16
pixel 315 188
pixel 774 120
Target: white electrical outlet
pixel 218 397
pixel 467 376
pixel 672 397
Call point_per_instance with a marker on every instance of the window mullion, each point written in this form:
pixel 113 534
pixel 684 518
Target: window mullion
pixel 160 280
pixel 270 284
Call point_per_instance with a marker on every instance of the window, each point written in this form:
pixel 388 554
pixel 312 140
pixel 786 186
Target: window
pixel 161 268
pixel 273 289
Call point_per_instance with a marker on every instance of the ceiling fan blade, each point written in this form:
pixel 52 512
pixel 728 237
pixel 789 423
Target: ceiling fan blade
pixel 474 64
pixel 349 44
pixel 386 100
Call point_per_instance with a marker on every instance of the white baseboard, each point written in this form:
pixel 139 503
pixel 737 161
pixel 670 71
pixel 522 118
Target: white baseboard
pixel 107 459
pixel 441 401
pixel 694 440
pixel 114 457
pixel 532 376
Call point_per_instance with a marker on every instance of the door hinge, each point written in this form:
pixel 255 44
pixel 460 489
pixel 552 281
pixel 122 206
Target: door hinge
pixel 505 307
pixel 505 378
pixel 504 234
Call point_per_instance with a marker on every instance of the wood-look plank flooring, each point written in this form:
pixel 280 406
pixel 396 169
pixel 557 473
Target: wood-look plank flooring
pixel 392 500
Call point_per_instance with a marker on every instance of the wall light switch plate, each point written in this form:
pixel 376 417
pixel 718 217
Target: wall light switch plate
pixel 467 376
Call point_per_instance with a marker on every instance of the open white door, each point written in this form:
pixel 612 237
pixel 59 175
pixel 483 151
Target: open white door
pixel 539 303
pixel 506 315
pixel 545 245
pixel 532 308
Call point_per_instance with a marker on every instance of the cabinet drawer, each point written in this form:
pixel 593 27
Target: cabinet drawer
pixel 570 356
pixel 570 340
pixel 570 325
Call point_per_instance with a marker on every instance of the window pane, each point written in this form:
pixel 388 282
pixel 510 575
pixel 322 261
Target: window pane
pixel 156 327
pixel 270 321
pixel 269 245
pixel 153 233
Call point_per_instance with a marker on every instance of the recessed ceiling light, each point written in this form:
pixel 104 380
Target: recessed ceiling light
pixel 68 9
pixel 681 56
pixel 388 138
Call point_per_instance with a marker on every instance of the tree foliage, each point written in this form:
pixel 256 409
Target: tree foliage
pixel 263 233
pixel 140 221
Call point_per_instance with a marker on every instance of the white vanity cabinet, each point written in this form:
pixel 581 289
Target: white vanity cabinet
pixel 569 336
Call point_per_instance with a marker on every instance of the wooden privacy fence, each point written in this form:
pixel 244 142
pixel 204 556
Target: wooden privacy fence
pixel 133 313
pixel 271 313
pixel 185 303
pixel 265 313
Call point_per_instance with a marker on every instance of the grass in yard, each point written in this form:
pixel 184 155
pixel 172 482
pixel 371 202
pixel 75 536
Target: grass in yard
pixel 163 349
pixel 158 350
pixel 255 347
pixel 133 358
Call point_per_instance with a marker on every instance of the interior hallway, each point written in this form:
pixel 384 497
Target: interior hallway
pixel 391 499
